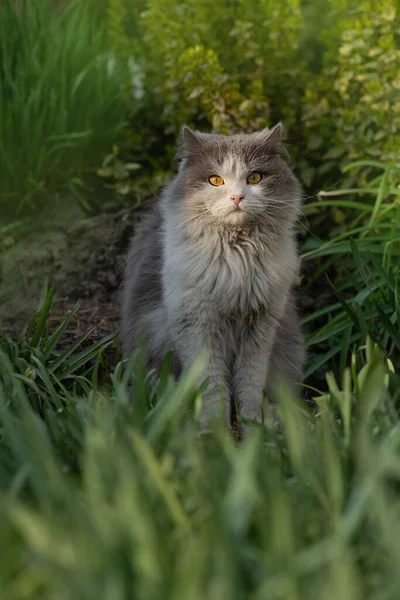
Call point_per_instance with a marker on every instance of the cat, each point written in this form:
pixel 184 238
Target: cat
pixel 213 267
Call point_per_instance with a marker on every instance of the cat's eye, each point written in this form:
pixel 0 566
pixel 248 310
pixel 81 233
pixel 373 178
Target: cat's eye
pixel 254 177
pixel 216 180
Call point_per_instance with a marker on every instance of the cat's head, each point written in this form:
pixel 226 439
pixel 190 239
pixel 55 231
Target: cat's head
pixel 238 180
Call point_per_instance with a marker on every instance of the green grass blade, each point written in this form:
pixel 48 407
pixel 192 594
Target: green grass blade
pixel 56 336
pixel 43 317
pixel 381 193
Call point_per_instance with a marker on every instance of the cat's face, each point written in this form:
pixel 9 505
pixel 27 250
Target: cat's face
pixel 238 180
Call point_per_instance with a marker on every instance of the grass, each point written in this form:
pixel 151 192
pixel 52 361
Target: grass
pixel 103 498
pixel 61 99
pixel 361 256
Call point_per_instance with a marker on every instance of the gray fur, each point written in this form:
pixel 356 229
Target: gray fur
pixel 202 274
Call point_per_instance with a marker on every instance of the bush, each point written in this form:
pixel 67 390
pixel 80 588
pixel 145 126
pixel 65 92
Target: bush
pixel 351 109
pixel 329 71
pixel 210 68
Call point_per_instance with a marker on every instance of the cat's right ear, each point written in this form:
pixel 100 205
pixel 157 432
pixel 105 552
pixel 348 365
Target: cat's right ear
pixel 190 142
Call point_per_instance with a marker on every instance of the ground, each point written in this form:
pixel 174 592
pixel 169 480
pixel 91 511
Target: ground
pixel 83 256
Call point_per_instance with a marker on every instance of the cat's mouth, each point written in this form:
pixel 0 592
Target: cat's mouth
pixel 236 215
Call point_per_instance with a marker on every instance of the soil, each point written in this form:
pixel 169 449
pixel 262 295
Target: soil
pixel 82 256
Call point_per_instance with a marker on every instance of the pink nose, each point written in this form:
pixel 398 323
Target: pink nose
pixel 237 198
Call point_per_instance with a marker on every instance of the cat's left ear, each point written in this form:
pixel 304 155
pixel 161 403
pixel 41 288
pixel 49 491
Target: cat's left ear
pixel 272 140
pixel 273 135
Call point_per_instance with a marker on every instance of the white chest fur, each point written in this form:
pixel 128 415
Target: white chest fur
pixel 226 272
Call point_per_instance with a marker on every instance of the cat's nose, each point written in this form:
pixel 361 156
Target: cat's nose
pixel 237 198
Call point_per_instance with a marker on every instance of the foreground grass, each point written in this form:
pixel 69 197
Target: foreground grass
pixel 101 498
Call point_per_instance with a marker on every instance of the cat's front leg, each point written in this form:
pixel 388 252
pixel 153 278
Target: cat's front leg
pixel 191 340
pixel 251 367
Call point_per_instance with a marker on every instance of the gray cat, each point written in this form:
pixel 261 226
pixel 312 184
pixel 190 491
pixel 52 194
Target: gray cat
pixel 212 267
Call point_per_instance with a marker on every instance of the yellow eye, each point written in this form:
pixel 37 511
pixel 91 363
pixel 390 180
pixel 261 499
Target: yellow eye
pixel 216 180
pixel 254 177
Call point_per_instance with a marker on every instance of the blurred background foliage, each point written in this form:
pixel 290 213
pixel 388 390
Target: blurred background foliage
pixel 328 69
pixel 78 78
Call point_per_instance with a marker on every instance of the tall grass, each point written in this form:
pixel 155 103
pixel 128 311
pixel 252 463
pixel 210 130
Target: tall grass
pixel 361 256
pixel 106 499
pixel 61 97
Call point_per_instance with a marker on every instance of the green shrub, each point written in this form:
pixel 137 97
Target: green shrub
pixel 351 110
pixel 62 100
pixel 328 70
pixel 229 68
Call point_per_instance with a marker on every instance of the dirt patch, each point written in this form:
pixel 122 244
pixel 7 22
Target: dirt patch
pixel 82 256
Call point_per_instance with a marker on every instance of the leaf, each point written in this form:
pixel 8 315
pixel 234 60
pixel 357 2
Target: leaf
pixel 120 172
pixel 80 359
pixel 382 190
pixel 315 142
pixel 335 152
pixel 65 355
pixel 219 104
pixel 44 374
pixel 43 316
pixel 105 172
pixel 123 188
pixel 165 487
pixel 55 337
pixel 132 166
pixel 393 330
pixel 364 163
pixel 339 216
pixel 321 360
pixel 359 261
pixel 108 160
pixel 196 93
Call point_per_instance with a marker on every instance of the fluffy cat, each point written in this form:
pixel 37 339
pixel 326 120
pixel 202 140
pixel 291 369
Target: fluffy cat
pixel 213 267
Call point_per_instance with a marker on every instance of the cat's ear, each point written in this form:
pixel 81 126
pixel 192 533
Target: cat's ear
pixel 276 133
pixel 190 142
pixel 272 140
pixel 191 138
pixel 273 135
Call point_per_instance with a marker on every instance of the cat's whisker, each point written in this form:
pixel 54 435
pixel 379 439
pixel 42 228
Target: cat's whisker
pixel 300 214
pixel 194 217
pixel 279 210
pixel 268 223
pixel 278 203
